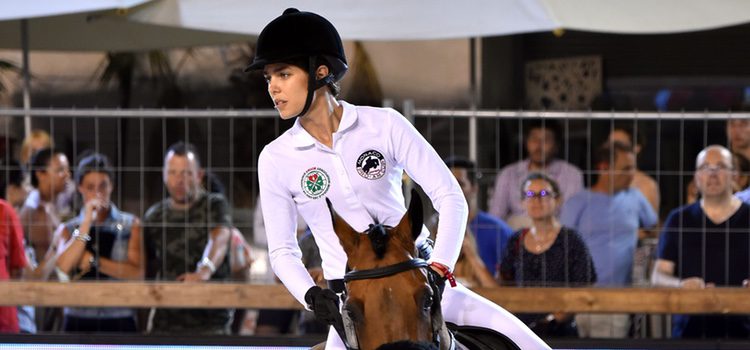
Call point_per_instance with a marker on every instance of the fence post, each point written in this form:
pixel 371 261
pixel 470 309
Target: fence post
pixel 473 134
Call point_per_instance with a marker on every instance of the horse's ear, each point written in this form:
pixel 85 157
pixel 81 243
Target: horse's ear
pixel 347 235
pixel 415 215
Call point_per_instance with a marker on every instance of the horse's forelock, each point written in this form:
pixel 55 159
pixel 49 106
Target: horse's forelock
pixel 378 238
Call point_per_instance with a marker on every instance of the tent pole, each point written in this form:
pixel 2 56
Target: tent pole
pixel 26 77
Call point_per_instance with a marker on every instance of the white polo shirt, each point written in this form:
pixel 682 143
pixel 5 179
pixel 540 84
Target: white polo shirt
pixel 361 176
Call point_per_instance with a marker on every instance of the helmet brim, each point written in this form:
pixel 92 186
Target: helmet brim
pixel 256 65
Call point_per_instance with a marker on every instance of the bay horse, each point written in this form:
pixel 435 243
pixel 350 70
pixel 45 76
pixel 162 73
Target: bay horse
pixel 390 298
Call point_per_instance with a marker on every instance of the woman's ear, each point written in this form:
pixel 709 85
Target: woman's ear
pixel 322 72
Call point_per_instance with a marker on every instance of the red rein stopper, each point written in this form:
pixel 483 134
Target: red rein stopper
pixel 446 272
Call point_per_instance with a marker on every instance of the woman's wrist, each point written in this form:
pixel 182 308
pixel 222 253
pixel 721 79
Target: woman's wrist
pixel 80 236
pixel 205 268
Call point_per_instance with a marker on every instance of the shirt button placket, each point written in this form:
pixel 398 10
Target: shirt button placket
pixel 338 163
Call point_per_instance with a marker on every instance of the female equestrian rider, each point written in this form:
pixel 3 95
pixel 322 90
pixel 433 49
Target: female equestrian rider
pixel 354 156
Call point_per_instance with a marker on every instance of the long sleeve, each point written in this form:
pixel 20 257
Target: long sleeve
pixel 424 165
pixel 280 219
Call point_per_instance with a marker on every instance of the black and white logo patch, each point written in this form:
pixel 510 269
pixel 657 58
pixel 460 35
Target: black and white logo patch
pixel 371 165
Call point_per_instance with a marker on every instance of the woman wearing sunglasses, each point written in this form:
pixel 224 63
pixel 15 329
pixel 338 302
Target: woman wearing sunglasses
pixel 546 254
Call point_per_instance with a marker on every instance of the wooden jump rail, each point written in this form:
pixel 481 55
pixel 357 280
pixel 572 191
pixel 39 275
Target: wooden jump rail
pixel 251 296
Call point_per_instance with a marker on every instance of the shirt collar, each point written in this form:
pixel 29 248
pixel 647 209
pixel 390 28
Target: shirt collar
pixel 302 138
pixel 348 118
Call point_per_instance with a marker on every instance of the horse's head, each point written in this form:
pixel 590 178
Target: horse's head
pixel 389 297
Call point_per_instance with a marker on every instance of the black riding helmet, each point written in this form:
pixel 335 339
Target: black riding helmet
pixel 299 35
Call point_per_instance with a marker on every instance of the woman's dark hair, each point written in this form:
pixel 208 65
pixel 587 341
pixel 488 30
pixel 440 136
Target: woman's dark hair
pixel 39 162
pixel 95 162
pixel 539 176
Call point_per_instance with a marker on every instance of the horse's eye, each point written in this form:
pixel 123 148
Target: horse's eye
pixel 427 302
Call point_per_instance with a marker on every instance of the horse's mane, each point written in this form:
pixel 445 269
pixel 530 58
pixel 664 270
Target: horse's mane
pixel 407 345
pixel 378 238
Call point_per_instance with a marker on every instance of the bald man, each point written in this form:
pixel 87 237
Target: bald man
pixel 705 244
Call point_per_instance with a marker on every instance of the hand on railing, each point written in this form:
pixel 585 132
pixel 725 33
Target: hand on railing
pixel 695 283
pixel 191 277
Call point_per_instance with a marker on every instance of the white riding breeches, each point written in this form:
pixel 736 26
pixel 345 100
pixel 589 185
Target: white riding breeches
pixel 466 308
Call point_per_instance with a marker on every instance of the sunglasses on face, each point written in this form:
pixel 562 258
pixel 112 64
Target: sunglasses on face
pixel 540 194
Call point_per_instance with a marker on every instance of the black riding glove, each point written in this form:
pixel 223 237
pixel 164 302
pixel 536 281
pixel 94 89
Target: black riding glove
pixel 324 303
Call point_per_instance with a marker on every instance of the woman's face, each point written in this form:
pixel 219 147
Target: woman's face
pixel 287 85
pixel 96 185
pixel 539 199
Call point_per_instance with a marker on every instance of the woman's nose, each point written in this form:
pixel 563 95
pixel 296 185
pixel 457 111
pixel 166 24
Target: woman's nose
pixel 273 87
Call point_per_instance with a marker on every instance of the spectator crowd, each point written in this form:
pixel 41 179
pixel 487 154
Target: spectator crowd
pixel 544 226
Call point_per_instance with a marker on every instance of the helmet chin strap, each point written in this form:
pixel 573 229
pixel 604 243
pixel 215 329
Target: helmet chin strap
pixel 314 84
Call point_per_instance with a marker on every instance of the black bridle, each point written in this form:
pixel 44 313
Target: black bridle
pixel 385 271
pixel 390 270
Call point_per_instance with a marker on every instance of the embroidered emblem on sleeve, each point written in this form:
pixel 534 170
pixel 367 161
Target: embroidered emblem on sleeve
pixel 315 182
pixel 371 165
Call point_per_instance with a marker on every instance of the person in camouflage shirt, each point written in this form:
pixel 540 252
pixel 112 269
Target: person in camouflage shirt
pixel 187 236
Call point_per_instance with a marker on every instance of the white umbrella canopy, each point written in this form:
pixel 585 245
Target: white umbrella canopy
pixel 14 9
pixel 86 25
pixel 360 20
pixel 447 19
pixel 647 16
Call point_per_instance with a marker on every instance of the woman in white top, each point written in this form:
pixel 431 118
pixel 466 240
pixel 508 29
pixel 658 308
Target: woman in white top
pixel 354 156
